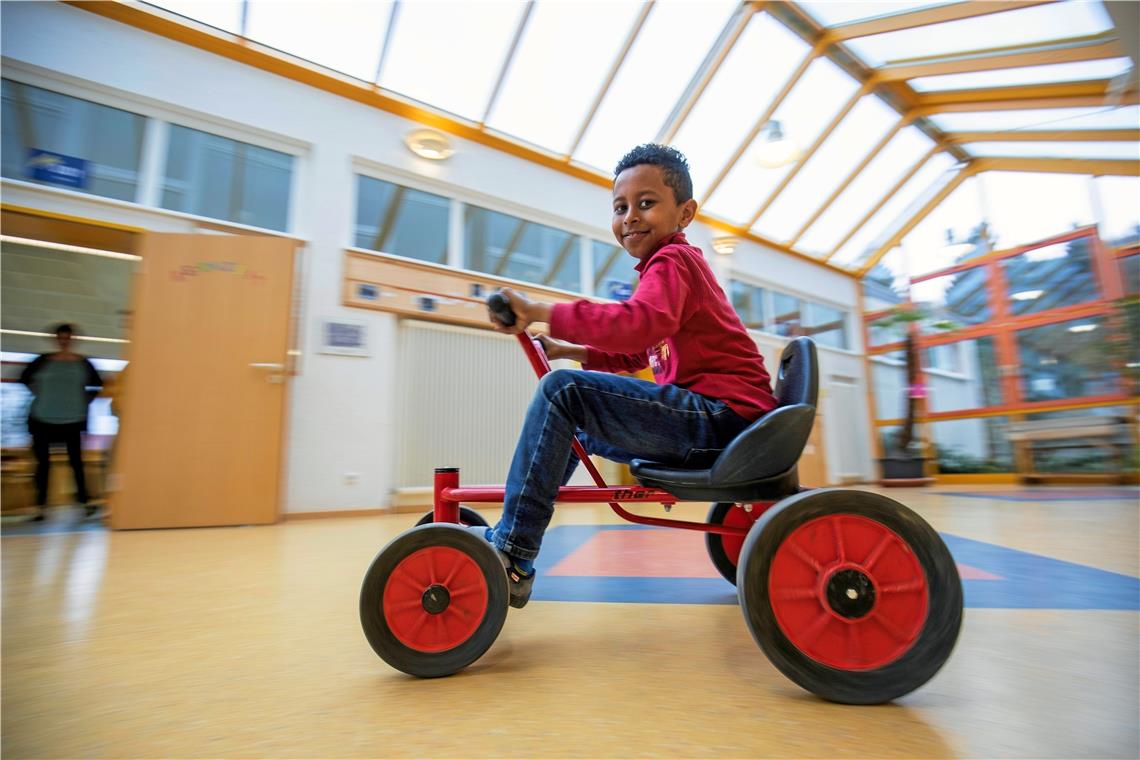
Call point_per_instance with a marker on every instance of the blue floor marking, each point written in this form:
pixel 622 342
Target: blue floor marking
pixel 1028 581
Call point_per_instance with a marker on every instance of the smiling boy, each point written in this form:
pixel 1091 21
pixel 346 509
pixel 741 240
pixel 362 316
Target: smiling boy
pixel 710 378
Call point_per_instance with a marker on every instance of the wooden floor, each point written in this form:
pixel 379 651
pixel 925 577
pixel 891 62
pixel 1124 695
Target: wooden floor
pixel 245 642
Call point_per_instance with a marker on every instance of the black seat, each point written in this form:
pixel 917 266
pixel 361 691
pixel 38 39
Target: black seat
pixel 760 463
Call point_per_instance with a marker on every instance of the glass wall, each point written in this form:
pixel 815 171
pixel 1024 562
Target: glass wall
pixel 400 220
pixel 972 445
pixel 506 246
pixel 614 275
pixel 220 178
pixel 1066 360
pixel 789 316
pixel 1050 277
pixel 55 139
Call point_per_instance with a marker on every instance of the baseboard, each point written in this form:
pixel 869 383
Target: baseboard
pixel 337 513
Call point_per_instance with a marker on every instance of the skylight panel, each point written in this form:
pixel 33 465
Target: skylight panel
pixel 340 34
pixel 562 62
pixel 934 174
pixel 449 54
pixel 883 173
pixel 849 144
pixel 652 79
pixel 221 14
pixel 1026 206
pixel 806 112
pixel 959 214
pixel 831 13
pixel 1110 150
pixel 1024 26
pixel 1119 201
pixel 1075 71
pixel 758 66
pixel 1127 117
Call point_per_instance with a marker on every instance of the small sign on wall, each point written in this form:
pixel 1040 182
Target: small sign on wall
pixel 344 338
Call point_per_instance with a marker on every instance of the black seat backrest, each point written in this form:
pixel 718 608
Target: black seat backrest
pixel 774 442
pixel 797 380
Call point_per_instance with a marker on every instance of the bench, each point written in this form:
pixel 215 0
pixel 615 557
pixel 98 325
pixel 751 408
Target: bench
pixel 1109 434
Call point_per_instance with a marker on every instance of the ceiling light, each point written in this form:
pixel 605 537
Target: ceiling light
pixel 430 144
pixel 1027 295
pixel 724 245
pixel 775 148
pixel 1082 328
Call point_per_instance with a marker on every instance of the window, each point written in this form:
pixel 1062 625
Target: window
pixel 221 178
pixel 1050 277
pixel 971 446
pixel 505 246
pixel 58 140
pixel 787 312
pixel 973 380
pixel 1066 360
pixel 1130 274
pixel 959 299
pixel 614 275
pixel 402 221
pixel 826 326
pixel 748 300
pixel 888 378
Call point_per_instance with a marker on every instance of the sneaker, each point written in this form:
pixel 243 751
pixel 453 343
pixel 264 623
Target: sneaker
pixel 520 583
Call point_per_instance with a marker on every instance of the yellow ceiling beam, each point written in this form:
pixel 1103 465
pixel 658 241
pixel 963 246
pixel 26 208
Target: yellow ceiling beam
pixel 646 7
pixel 1091 48
pixel 890 135
pixel 1047 135
pixel 736 27
pixel 1094 166
pixel 883 201
pixel 1098 101
pixel 1091 88
pixel 764 118
pixel 911 19
pixel 965 173
pixel 807 154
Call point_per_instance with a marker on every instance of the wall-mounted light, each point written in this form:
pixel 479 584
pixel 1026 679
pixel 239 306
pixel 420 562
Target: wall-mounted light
pixel 775 148
pixel 1027 295
pixel 724 245
pixel 430 144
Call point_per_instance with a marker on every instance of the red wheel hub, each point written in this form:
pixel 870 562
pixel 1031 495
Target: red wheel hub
pixel 435 599
pixel 848 592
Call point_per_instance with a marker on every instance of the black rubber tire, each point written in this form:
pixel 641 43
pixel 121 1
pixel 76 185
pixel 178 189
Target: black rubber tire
pixel 432 664
pixel 714 543
pixel 467 516
pixel 907 672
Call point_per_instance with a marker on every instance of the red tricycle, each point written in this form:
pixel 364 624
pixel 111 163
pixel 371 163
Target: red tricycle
pixel 850 594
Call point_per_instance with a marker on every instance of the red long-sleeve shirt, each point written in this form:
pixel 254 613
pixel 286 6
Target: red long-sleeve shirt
pixel 680 324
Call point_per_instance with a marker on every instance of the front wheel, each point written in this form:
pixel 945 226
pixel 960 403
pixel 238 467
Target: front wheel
pixel 850 594
pixel 467 516
pixel 433 600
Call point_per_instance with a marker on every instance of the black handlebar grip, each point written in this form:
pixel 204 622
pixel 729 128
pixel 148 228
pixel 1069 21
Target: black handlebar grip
pixel 500 307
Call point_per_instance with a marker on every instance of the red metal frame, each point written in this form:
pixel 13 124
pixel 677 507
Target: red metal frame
pixel 448 494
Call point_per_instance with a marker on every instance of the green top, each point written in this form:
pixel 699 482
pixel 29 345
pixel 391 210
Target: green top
pixel 61 394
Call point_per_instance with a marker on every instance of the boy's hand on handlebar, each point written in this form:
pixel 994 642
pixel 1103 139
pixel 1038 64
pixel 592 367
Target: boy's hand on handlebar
pixel 525 311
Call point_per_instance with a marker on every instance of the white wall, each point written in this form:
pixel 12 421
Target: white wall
pixel 342 418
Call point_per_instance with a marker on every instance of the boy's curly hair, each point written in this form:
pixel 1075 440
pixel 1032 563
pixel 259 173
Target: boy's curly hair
pixel 673 165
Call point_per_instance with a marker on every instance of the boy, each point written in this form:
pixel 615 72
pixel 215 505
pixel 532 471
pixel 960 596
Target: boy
pixel 711 381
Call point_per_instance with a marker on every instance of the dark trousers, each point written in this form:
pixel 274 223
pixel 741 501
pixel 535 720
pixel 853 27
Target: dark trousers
pixel 43 436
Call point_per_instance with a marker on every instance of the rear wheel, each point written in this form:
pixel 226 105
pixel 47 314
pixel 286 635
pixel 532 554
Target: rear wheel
pixel 433 600
pixel 467 516
pixel 850 594
pixel 724 550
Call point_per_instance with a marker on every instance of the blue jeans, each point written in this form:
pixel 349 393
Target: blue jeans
pixel 620 418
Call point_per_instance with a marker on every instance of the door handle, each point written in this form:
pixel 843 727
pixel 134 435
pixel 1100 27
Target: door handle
pixel 275 369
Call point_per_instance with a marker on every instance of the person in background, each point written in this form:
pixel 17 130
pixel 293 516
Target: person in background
pixel 63 384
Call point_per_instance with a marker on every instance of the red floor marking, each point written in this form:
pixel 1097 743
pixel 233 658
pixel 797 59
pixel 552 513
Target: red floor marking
pixel 663 553
pixel 653 553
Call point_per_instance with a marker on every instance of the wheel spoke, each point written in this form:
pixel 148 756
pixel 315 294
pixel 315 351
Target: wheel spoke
pixel 854 644
pixel 411 604
pixel 903 588
pixel 468 589
pixel 416 626
pixel 838 539
pixel 812 632
pixel 803 592
pixel 877 552
pixel 802 554
pixel 892 629
pixel 404 576
pixel 456 566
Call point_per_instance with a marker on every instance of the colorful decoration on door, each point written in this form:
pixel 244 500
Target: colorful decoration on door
pixel 241 271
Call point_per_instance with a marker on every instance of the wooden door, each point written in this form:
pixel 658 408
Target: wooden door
pixel 203 407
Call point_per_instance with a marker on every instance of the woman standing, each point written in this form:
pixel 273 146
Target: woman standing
pixel 63 384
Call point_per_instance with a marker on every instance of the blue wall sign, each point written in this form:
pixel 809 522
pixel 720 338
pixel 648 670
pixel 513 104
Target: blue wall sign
pixel 56 168
pixel 618 290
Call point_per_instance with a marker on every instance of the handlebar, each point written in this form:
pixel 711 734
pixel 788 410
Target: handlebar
pixel 500 308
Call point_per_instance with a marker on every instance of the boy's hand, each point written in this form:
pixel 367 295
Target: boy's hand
pixel 560 349
pixel 525 310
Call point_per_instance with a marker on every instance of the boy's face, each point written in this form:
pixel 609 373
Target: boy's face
pixel 645 210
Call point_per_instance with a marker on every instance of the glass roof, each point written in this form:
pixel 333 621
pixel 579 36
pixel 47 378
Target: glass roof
pixel 589 79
